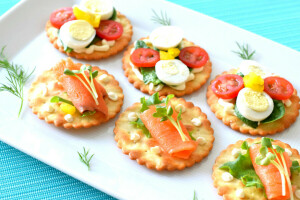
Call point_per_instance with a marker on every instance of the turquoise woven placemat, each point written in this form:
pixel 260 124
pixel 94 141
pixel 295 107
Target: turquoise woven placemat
pixel 23 177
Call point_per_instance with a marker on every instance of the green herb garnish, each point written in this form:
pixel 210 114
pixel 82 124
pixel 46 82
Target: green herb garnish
pixel 250 123
pixel 240 74
pixel 277 113
pixel 242 168
pixel 295 168
pixel 275 156
pixel 162 19
pixel 83 157
pixel 88 113
pixel 191 135
pixel 195 196
pixel 139 124
pixel 165 112
pixel 141 44
pixel 57 99
pixel 66 48
pixel 114 15
pixel 92 74
pixel 243 51
pixel 16 78
pixel 150 76
pixel 94 41
pixel 152 100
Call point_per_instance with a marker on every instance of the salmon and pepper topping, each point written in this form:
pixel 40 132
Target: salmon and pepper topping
pixel 159 121
pixel 265 165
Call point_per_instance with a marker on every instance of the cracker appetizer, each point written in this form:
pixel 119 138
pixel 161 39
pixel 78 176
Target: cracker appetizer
pixel 91 30
pixel 258 169
pixel 74 95
pixel 164 133
pixel 253 101
pixel 166 63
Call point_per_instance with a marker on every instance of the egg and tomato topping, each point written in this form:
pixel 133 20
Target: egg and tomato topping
pixel 80 25
pixel 254 105
pixel 77 34
pixel 163 52
pixel 254 92
pixel 93 11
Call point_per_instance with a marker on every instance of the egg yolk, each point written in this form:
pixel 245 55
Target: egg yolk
pixel 81 30
pixel 170 68
pixel 254 81
pixel 257 70
pixel 256 100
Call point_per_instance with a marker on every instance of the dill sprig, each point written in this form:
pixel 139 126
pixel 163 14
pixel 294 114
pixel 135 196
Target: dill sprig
pixel 195 196
pixel 244 51
pixel 83 157
pixel 16 78
pixel 161 19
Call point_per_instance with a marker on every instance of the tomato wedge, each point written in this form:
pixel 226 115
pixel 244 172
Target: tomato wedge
pixel 143 57
pixel 278 88
pixel 194 57
pixel 227 86
pixel 61 16
pixel 109 30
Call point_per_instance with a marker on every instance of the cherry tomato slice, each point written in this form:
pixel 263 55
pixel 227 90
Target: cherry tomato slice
pixel 278 88
pixel 227 86
pixel 193 56
pixel 109 30
pixel 143 57
pixel 61 16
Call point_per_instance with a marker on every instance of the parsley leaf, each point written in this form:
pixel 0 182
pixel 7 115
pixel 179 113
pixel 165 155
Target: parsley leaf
pixel 149 76
pixel 139 124
pixel 242 168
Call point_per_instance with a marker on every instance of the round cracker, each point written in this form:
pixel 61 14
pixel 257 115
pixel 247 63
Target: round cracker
pixel 290 116
pixel 191 86
pixel 119 45
pixel 48 80
pixel 227 189
pixel 140 150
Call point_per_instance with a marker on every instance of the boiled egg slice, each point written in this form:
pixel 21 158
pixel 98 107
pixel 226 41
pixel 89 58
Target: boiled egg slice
pixel 77 34
pixel 248 66
pixel 166 37
pixel 253 105
pixel 172 72
pixel 103 7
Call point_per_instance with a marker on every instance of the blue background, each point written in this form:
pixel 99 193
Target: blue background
pixel 23 177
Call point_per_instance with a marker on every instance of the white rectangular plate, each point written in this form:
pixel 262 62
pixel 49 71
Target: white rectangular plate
pixel 22 30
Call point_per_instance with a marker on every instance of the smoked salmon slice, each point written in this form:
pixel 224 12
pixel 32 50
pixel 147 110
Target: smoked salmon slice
pixel 167 135
pixel 270 175
pixel 78 93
